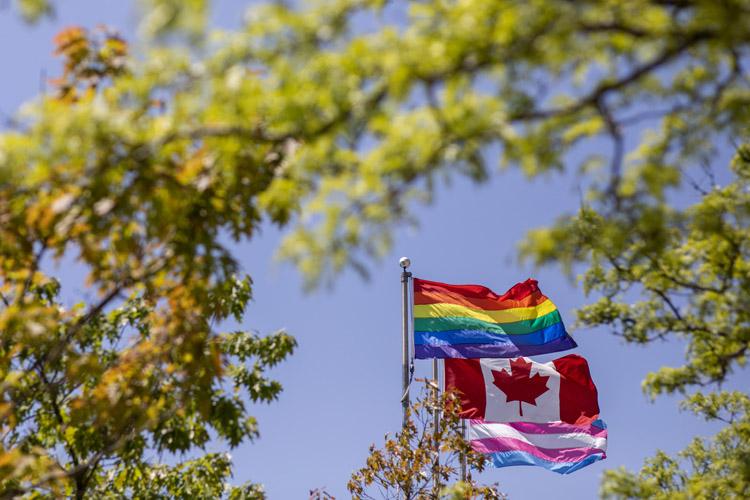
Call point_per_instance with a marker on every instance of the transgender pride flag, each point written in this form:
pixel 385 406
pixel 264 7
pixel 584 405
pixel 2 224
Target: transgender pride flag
pixel 557 446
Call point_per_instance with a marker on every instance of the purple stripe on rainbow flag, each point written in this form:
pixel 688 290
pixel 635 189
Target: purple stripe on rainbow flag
pixel 499 350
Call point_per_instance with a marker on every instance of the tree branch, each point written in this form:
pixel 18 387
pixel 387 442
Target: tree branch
pixel 633 76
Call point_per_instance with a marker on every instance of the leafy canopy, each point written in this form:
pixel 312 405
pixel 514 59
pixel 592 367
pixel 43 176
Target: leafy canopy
pixel 89 392
pixel 689 269
pixel 337 119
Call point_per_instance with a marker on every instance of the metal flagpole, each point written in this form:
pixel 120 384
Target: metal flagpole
pixel 404 262
pixel 463 455
pixel 436 420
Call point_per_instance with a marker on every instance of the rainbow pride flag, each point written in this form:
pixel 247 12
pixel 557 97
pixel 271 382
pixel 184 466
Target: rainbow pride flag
pixel 472 321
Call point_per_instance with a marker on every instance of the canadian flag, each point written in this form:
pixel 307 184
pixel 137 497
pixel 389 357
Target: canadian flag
pixel 522 390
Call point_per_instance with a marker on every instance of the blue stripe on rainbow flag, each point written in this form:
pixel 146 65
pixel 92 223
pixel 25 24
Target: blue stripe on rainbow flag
pixel 450 337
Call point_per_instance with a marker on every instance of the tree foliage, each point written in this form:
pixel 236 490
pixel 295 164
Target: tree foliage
pixel 394 109
pixel 336 118
pixel 34 10
pixel 90 391
pixel 689 266
pixel 664 83
pixel 422 461
pixel 689 269
pixel 717 468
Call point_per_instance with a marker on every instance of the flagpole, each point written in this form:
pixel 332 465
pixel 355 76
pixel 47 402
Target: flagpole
pixel 436 420
pixel 463 454
pixel 404 262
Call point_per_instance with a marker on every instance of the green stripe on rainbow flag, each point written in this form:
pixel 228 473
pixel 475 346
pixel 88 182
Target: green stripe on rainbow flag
pixel 446 323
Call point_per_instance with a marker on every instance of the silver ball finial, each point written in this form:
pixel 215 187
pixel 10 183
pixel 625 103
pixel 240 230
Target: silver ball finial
pixel 404 262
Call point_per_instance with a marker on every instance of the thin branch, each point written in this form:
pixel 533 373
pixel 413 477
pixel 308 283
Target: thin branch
pixel 613 27
pixel 604 88
pixel 32 271
pixel 735 73
pixel 615 132
pixel 58 414
pixel 57 350
pixel 672 307
pixel 652 114
pixel 682 283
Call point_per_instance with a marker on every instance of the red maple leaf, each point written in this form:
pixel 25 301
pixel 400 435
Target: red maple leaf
pixel 518 385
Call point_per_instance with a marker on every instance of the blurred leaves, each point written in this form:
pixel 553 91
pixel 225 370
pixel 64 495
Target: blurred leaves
pixel 162 18
pixel 33 10
pixel 88 59
pixel 335 119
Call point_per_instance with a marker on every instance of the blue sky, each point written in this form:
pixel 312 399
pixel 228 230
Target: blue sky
pixel 342 386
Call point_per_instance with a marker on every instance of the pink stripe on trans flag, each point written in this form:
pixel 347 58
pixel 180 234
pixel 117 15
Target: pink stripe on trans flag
pixel 550 427
pixel 557 428
pixel 494 445
pixel 543 443
pixel 490 430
